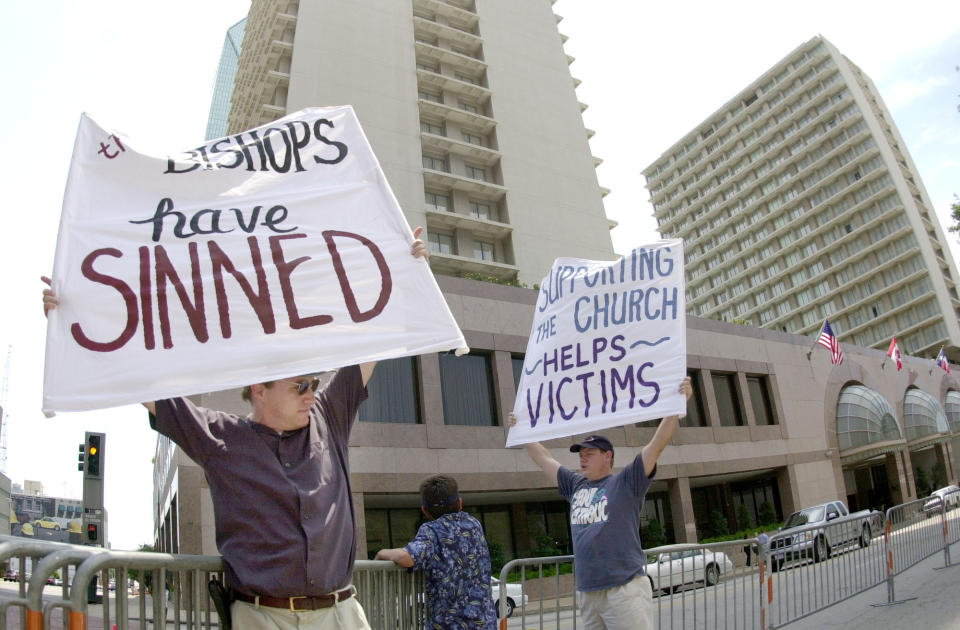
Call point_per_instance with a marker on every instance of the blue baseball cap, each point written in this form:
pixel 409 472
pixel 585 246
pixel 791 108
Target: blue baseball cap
pixel 593 441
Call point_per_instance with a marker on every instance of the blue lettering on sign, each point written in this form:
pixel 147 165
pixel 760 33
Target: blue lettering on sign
pixel 625 307
pixel 625 385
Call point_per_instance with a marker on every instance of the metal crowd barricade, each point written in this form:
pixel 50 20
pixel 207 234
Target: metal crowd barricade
pixel 44 558
pixel 178 590
pixel 177 594
pixel 917 530
pixel 391 596
pixel 705 585
pixel 546 582
pixel 694 586
pixel 808 569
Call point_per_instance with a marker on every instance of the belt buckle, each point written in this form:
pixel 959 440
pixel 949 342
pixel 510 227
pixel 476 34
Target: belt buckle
pixel 294 609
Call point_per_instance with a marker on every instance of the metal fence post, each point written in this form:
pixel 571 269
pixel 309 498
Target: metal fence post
pixel 765 580
pixel 888 547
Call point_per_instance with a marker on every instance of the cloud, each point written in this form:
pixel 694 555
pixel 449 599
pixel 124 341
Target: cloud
pixel 905 92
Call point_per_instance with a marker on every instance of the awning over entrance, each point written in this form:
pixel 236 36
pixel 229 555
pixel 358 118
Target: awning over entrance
pixel 864 417
pixel 953 410
pixel 923 418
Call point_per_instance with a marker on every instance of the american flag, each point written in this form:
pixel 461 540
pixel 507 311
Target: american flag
pixel 943 362
pixel 894 353
pixel 829 340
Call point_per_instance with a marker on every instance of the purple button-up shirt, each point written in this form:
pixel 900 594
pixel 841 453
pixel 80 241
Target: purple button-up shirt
pixel 281 501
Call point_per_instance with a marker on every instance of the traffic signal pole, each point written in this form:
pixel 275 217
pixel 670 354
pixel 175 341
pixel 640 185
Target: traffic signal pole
pixel 91 462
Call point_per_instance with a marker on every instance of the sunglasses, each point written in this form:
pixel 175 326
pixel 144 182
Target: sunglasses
pixel 303 386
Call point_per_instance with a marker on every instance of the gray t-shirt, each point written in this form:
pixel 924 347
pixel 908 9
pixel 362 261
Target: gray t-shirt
pixel 605 524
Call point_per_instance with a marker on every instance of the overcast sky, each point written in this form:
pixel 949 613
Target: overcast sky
pixel 650 72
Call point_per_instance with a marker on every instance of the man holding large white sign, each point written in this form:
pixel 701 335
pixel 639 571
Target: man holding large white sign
pixel 606 338
pixel 285 254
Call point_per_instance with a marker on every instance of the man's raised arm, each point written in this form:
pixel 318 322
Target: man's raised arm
pixel 651 452
pixel 540 455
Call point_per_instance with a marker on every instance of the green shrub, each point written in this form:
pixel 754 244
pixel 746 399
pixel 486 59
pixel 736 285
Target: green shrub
pixel 497 557
pixel 743 517
pixel 923 482
pixel 652 535
pixel 718 523
pixel 472 275
pixel 766 514
pixel 939 474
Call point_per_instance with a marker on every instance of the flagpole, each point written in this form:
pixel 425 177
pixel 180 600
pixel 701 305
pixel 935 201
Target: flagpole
pixel 816 340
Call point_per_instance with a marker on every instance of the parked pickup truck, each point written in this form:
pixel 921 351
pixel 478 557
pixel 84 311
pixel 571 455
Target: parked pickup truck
pixel 821 529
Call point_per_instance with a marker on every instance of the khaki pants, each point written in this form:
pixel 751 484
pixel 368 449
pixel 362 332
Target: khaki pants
pixel 627 607
pixel 346 615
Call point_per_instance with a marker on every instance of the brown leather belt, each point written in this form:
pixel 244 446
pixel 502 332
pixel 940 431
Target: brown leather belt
pixel 298 603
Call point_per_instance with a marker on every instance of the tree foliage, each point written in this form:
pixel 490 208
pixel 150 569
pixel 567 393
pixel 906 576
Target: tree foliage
pixel 955 215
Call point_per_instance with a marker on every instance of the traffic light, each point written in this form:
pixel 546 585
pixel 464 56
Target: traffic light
pixel 82 458
pixel 93 534
pixel 94 454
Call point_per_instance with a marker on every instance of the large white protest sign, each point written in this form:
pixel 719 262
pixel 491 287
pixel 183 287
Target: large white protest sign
pixel 607 347
pixel 270 253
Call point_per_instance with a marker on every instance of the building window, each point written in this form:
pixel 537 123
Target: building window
pixel 549 523
pixel 760 400
pixel 479 210
pixel 497 525
pixel 728 402
pixel 469 107
pixel 430 96
pixel 440 243
pixel 695 416
pixel 440 203
pixel 436 163
pixel 392 393
pixel 517 361
pixel 467 389
pixel 475 172
pixel 472 139
pixel 430 127
pixel 483 250
pixel 388 528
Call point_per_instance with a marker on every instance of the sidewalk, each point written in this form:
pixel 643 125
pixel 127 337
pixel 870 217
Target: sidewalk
pixel 936 607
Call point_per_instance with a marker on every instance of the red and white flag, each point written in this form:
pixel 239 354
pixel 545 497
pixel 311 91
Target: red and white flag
pixel 943 362
pixel 894 353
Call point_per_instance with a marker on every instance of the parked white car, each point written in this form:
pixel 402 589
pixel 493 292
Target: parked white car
pixel 673 570
pixel 514 593
pixel 950 495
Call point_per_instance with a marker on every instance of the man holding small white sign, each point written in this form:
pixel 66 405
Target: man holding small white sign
pixel 607 348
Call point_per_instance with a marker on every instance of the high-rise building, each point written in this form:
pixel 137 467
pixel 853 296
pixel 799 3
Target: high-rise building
pixel 798 201
pixel 223 83
pixel 470 109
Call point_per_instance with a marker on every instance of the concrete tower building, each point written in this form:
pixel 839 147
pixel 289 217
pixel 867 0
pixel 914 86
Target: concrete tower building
pixel 470 109
pixel 798 201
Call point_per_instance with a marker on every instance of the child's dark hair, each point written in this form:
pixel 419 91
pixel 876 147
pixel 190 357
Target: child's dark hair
pixel 438 495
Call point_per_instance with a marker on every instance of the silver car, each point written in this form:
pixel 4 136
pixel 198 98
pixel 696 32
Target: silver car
pixel 949 495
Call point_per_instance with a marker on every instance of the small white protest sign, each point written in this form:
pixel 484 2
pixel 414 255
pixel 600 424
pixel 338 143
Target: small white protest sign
pixel 607 346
